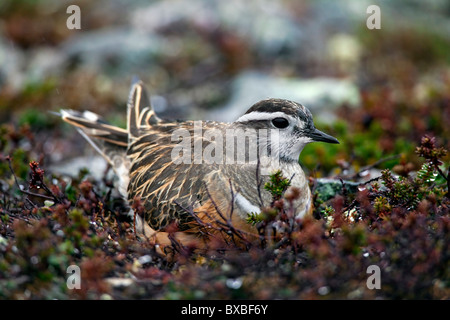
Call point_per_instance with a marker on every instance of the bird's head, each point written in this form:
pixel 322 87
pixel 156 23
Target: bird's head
pixel 290 124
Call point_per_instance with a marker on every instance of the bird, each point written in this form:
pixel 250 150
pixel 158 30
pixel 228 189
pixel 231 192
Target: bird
pixel 197 174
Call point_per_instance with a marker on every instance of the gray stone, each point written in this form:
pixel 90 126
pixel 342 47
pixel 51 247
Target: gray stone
pixel 71 167
pixel 321 95
pixel 12 62
pixel 122 49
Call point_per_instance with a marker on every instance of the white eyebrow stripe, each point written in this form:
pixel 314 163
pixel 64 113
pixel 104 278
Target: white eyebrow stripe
pixel 257 116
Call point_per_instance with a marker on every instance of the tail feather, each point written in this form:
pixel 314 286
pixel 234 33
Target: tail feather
pixel 110 141
pixel 92 125
pixel 140 113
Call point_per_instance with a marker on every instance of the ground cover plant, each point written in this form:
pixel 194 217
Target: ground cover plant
pixel 381 197
pixel 399 223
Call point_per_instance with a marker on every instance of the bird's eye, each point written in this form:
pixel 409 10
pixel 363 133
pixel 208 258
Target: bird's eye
pixel 280 123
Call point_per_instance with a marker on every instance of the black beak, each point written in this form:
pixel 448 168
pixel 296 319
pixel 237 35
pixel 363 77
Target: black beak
pixel 317 135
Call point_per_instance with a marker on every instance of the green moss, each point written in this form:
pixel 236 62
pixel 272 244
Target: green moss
pixel 36 119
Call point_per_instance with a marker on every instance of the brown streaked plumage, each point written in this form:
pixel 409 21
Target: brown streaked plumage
pixel 171 188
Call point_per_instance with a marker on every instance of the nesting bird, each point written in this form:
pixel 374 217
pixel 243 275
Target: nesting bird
pixel 195 173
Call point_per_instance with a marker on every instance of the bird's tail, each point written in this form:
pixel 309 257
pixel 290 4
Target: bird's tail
pixel 111 141
pixel 108 140
pixel 141 115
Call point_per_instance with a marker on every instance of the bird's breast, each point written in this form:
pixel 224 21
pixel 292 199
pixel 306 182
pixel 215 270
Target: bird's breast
pixel 294 172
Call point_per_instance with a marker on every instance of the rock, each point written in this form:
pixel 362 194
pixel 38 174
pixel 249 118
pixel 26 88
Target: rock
pixel 11 65
pixel 119 49
pixel 119 282
pixel 321 95
pixel 44 61
pixel 71 167
pixel 268 25
pixel 327 188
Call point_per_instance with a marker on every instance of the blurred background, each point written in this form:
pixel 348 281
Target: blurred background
pixel 377 91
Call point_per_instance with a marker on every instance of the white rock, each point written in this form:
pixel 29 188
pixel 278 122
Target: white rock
pixel 321 95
